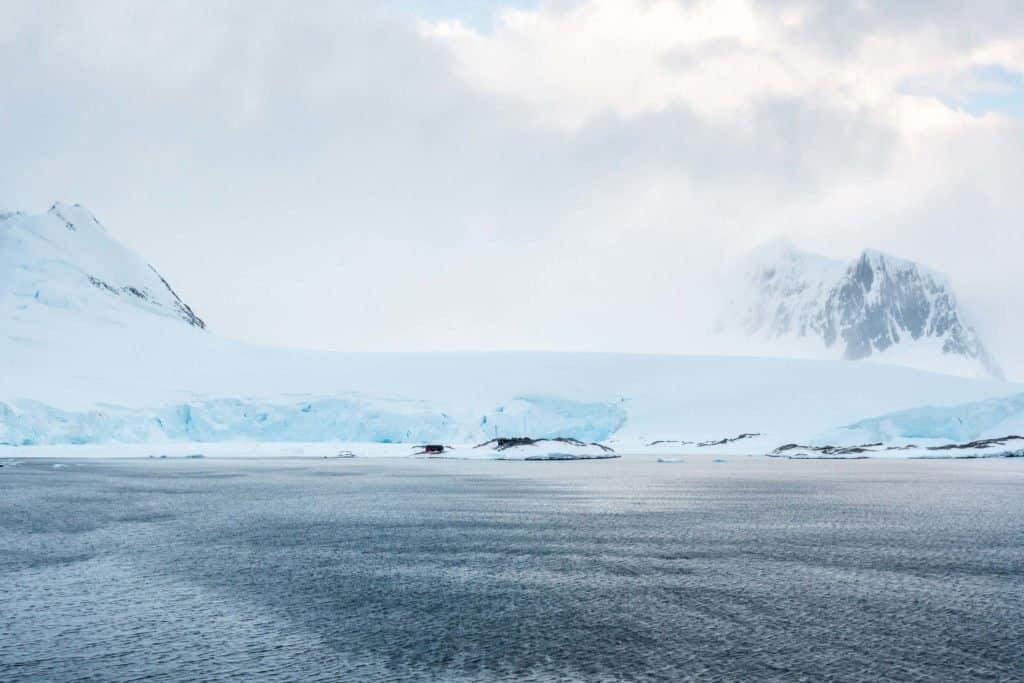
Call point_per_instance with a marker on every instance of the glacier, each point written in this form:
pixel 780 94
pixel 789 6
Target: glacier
pixel 987 419
pixel 346 419
pixel 206 390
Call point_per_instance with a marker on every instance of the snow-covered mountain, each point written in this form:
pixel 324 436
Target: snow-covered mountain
pixel 64 259
pixel 876 306
pixel 96 348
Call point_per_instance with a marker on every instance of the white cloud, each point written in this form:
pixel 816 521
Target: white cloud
pixel 718 59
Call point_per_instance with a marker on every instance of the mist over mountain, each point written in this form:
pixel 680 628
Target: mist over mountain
pixel 62 265
pixel 876 306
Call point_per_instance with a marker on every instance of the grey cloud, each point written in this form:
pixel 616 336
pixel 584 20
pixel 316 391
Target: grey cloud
pixel 840 25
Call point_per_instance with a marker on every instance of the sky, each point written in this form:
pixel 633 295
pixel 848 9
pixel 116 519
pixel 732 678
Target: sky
pixel 559 175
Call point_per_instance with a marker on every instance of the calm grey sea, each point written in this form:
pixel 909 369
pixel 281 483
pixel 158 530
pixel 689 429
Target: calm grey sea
pixel 746 570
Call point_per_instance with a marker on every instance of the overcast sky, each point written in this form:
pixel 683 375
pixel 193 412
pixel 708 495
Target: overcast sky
pixel 461 174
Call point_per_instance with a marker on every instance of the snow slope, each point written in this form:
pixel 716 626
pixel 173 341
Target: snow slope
pixel 877 306
pixel 124 360
pixel 64 259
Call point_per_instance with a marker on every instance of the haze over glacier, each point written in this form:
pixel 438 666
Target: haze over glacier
pixel 99 348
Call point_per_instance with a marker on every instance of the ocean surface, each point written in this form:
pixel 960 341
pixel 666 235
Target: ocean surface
pixel 751 569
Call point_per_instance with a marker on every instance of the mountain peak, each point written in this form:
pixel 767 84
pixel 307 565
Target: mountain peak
pixel 62 262
pixel 885 262
pixel 878 305
pixel 74 216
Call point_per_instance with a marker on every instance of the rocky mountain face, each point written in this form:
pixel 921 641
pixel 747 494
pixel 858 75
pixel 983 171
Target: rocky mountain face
pixel 874 305
pixel 64 261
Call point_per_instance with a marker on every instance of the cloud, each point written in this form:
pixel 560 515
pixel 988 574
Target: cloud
pixel 573 176
pixel 720 59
